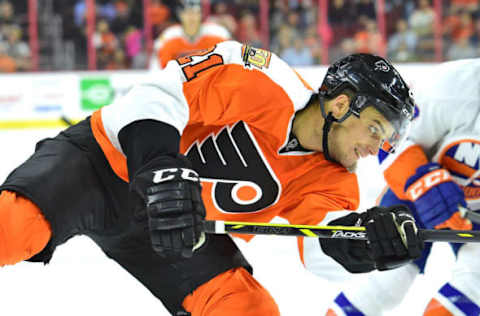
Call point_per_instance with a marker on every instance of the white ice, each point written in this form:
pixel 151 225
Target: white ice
pixel 80 280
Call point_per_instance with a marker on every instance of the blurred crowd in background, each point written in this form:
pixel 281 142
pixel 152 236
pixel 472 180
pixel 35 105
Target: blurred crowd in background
pixel 294 33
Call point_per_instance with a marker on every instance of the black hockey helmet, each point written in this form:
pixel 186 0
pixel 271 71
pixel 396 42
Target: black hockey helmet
pixel 376 83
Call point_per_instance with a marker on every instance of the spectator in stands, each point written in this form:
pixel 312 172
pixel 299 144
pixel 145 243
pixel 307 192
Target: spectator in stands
pixel 278 15
pixel 79 13
pixel 18 49
pixel 341 17
pixel 248 31
pixel 308 13
pixel 283 39
pixel 106 10
pixel 7 63
pixel 347 46
pixel 221 16
pixel 366 8
pixel 118 61
pixel 122 18
pixel 422 19
pixel 105 42
pixel 298 54
pixel 134 48
pixel 468 5
pixel 313 42
pixel 368 39
pixel 461 48
pixel 475 37
pixel 294 20
pixel 7 14
pixel 403 54
pixel 421 22
pixel 458 24
pixel 248 5
pixel 402 44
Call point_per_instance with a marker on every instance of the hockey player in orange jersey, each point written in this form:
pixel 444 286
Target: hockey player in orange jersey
pixel 186 37
pixel 229 133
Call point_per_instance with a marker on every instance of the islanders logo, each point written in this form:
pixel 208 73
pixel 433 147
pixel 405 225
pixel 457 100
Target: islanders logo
pixel 461 159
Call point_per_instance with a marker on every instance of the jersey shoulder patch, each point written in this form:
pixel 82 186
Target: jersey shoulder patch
pixel 257 57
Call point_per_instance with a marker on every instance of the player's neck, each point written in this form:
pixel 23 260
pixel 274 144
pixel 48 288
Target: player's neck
pixel 308 127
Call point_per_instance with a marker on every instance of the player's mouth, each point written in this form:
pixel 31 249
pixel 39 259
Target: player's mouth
pixel 357 154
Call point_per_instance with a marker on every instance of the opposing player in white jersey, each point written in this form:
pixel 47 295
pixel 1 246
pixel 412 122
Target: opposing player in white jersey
pixel 434 172
pixel 186 37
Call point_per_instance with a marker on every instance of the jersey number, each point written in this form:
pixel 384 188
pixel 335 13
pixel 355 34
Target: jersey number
pixel 191 68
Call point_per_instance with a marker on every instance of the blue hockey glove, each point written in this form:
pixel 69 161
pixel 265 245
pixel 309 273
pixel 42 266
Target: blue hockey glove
pixel 436 198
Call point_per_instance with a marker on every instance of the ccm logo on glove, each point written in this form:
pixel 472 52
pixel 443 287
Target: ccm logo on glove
pixel 169 174
pixel 426 182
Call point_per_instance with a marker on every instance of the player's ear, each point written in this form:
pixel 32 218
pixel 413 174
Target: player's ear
pixel 340 105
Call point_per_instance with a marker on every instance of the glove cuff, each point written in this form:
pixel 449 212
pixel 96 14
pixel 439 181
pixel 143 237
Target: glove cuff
pixel 165 161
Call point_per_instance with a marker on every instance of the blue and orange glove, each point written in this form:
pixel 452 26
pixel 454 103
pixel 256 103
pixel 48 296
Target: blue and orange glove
pixel 437 198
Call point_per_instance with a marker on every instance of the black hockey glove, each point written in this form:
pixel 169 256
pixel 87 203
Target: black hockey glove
pixel 392 240
pixel 171 191
pixel 393 237
pixel 353 255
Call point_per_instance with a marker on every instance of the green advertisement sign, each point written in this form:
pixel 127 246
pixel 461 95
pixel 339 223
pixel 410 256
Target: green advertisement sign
pixel 95 93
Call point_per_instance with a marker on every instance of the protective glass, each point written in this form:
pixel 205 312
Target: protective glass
pixel 400 118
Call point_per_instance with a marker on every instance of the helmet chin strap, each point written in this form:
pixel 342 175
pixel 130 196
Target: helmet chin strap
pixel 327 125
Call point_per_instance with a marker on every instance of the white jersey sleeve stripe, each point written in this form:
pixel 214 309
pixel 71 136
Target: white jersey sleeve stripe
pixel 317 262
pixel 161 100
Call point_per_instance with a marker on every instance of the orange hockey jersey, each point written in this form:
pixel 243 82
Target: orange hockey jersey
pixel 234 106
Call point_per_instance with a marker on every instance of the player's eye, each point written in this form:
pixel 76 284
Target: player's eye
pixel 375 132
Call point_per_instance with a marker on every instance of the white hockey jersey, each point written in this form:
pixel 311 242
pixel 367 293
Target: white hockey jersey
pixel 446 129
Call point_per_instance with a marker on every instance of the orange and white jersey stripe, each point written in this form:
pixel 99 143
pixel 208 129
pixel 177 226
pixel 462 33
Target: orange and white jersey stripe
pixel 233 106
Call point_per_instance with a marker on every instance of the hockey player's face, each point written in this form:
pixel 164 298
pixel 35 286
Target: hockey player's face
pixel 357 138
pixel 191 19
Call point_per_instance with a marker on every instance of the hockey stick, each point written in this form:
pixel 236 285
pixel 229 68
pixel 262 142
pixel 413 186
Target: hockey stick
pixel 471 215
pixel 344 232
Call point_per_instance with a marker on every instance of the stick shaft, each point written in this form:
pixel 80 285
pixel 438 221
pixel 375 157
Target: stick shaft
pixel 344 232
pixel 471 215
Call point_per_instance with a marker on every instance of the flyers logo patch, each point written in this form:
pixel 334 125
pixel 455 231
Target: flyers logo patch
pixel 257 57
pixel 242 179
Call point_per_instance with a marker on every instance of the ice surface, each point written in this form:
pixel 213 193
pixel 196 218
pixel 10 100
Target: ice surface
pixel 81 280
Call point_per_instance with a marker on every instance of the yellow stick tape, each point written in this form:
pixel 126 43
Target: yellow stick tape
pixel 27 124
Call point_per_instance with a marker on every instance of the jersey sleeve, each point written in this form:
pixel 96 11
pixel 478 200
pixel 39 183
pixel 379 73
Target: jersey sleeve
pixel 336 196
